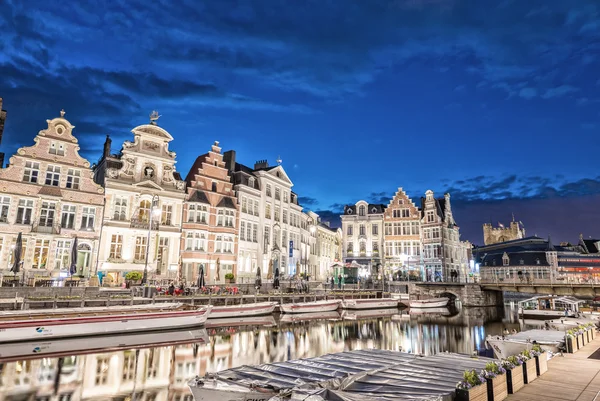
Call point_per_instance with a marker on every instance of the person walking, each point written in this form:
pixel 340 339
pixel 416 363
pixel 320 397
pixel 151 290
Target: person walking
pixel 340 282
pixel 332 283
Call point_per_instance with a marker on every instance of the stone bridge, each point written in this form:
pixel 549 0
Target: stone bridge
pixel 468 294
pixel 578 290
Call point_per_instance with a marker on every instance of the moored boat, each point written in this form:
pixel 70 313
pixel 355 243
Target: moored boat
pixel 568 323
pixel 305 317
pixel 368 313
pixel 241 310
pixel 264 321
pixel 371 303
pixel 548 307
pixel 58 323
pixel 444 311
pixel 316 306
pixel 513 344
pixel 429 303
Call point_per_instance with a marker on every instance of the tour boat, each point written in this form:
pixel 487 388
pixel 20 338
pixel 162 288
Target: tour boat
pixel 252 309
pixel 305 317
pixel 368 313
pixel 548 307
pixel 316 306
pixel 62 347
pixel 372 303
pixel 429 303
pixel 98 321
pixel 513 344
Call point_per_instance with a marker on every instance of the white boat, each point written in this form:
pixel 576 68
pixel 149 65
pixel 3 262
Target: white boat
pixel 264 321
pixel 305 317
pixel 429 303
pixel 316 306
pixel 253 309
pixel 56 348
pixel 513 344
pixel 548 307
pixel 59 323
pixel 372 303
pixel 568 323
pixel 368 313
pixel 212 390
pixel 444 311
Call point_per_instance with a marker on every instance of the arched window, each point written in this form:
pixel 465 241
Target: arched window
pixel 144 212
pixel 363 247
pixel 361 210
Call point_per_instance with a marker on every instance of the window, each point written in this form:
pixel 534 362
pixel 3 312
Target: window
pixel 87 218
pixel 435 232
pixel 277 213
pixel 218 243
pixel 128 365
pixel 184 371
pixel 102 370
pixel 350 230
pixel 244 204
pixel 349 247
pixel 73 179
pixel 389 248
pixel 249 232
pixel 243 231
pixel 401 201
pixel 57 148
pixel 405 212
pixel 120 208
pixel 256 208
pixel 277 193
pixel 166 215
pixel 67 219
pixel 163 254
pixel 63 255
pixel 397 229
pixel 32 172
pixel 197 213
pixel 4 207
pixel 116 246
pixel 152 364
pixel 53 176
pixel 47 214
pixel 284 243
pixel 195 241
pixel 251 182
pixel 140 247
pixel 268 190
pixel 214 186
pixel 414 228
pixel 285 219
pixel 396 213
pixel 361 210
pixel 363 248
pixel 144 211
pixel 24 211
pixel 267 236
pixel 40 253
pixel 229 218
pixel 406 228
pixel 388 228
pixel 255 233
pixel 430 216
pixel 375 246
pixel 268 211
pixel 285 197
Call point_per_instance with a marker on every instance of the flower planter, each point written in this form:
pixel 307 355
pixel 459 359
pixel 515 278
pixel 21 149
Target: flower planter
pixel 229 281
pixel 593 331
pixel 529 371
pixel 541 363
pixel 588 333
pixel 497 388
pixel 477 393
pixel 514 379
pixel 571 344
pixel 579 341
pixel 584 338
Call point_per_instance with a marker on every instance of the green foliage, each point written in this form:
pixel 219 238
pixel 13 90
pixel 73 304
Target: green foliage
pixel 537 348
pixel 134 276
pixel 526 355
pixel 473 378
pixel 229 276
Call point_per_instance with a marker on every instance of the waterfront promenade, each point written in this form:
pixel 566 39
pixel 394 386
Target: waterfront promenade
pixel 573 377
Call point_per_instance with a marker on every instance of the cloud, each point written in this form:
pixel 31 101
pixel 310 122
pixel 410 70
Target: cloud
pixel 337 207
pixel 528 93
pixel 559 91
pixel 380 197
pixel 307 201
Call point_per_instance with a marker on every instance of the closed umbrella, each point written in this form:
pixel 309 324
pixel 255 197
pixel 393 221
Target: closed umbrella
pixel 16 267
pixel 276 279
pixel 270 271
pixel 73 268
pixel 218 276
pixel 200 281
pixel 258 281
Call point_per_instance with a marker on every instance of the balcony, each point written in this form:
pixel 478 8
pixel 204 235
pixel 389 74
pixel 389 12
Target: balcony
pixel 45 229
pixel 143 224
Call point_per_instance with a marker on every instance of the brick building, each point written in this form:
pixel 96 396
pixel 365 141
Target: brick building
pixel 210 222
pixel 49 196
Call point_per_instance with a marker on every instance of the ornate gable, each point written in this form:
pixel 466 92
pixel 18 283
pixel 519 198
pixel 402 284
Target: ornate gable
pixel 401 201
pixel 280 173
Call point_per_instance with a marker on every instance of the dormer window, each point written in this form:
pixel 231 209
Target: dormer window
pixel 361 210
pixel 401 202
pixel 521 262
pixel 251 182
pixel 537 261
pixel 505 259
pixel 57 148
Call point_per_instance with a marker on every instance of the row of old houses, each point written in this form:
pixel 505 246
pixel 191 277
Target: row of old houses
pixel 133 211
pixel 405 239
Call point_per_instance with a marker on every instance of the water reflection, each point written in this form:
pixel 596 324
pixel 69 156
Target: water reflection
pixel 157 367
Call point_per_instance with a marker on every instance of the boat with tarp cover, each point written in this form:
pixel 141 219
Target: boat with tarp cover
pixel 361 375
pixel 97 321
pixel 513 344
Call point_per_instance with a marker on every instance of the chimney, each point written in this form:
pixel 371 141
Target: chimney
pixel 229 159
pixel 107 145
pixel 261 164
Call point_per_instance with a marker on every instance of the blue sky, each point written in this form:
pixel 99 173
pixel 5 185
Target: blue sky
pixel 497 102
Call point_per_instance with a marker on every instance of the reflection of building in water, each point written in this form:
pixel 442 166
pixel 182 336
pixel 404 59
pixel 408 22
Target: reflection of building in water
pixel 161 374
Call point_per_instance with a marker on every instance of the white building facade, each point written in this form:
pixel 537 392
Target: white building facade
pixel 144 206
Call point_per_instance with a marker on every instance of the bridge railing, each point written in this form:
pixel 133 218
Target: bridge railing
pixel 536 281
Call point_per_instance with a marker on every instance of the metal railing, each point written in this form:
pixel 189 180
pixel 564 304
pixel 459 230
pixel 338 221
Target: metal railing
pixel 45 229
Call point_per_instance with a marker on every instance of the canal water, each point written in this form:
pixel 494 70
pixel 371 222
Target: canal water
pixel 157 367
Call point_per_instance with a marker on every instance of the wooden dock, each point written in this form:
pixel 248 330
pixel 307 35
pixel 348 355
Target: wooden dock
pixel 573 377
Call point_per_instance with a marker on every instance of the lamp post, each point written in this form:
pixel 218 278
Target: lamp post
pixel 154 204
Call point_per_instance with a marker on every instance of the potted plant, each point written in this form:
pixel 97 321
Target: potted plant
pixel 495 375
pixel 529 368
pixel 579 334
pixel 592 330
pixel 134 277
pixel 514 373
pixel 572 345
pixel 229 278
pixel 541 359
pixel 473 387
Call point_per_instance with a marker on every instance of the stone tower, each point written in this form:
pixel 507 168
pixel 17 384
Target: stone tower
pixel 495 235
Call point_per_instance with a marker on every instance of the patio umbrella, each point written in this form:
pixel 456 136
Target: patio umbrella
pixel 270 271
pixel 276 280
pixel 201 277
pixel 17 254
pixel 218 277
pixel 73 268
pixel 258 281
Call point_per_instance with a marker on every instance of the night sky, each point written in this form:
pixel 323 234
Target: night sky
pixel 497 102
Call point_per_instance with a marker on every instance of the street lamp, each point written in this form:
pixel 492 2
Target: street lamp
pixel 153 212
